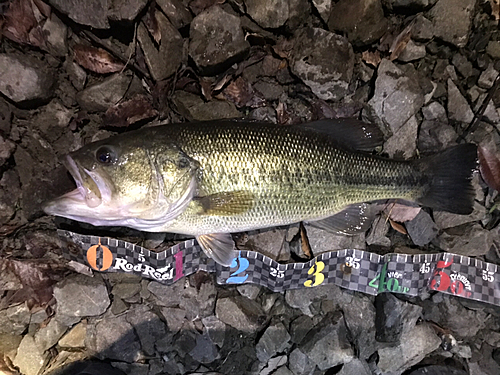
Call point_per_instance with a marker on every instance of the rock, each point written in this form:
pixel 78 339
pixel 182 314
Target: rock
pixel 217 40
pixel 412 52
pixel 195 109
pixel 147 325
pixel 442 370
pixel 493 49
pixel 174 317
pixel 359 316
pixel 302 299
pixel 488 77
pixel 133 368
pixel 270 242
pixel 421 229
pixel 29 359
pixel 241 313
pixel 168 296
pixel 435 135
pixel 56 32
pixel 458 107
pixel 249 290
pixel 47 336
pixel 92 13
pixel 274 340
pixel 324 61
pixel 215 329
pixel 414 346
pixel 14 319
pixel 24 78
pixel 394 318
pixel 397 97
pixel 114 338
pixel 422 30
pixel 80 296
pixel 7 147
pixel 434 112
pixel 176 12
pixel 324 8
pixel 162 61
pixel 75 338
pixel 355 367
pixel 101 96
pixel 327 345
pixel 322 241
pixel 199 302
pixel 299 363
pixel 205 350
pixel 408 5
pixel 125 10
pixel 9 344
pixel 126 291
pixel 446 220
pixel 268 14
pixel 403 142
pixel 452 20
pixel 463 65
pixel 468 239
pixel 362 20
pixel 378 233
pixel 269 88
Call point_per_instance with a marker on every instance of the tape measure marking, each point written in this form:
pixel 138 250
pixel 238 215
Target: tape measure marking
pixel 353 269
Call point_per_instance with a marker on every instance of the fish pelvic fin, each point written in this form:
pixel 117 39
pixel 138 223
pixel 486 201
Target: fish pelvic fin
pixel 449 175
pixel 218 246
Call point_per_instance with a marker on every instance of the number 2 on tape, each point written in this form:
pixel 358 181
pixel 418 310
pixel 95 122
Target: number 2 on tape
pixel 243 265
pixel 315 270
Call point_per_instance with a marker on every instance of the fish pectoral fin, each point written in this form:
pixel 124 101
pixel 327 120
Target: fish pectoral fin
pixel 354 219
pixel 219 247
pixel 226 203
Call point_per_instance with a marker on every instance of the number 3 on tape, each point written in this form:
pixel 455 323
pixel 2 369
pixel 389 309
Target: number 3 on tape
pixel 315 270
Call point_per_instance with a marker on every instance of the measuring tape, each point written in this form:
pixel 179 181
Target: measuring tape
pixel 356 270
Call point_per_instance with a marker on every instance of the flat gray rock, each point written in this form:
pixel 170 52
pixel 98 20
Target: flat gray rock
pixel 125 10
pixel 80 296
pixel 299 363
pixel 422 229
pixel 15 319
pixel 241 313
pixel 147 325
pixel 468 239
pixel 91 12
pixel 274 340
pixel 30 358
pixel 105 94
pixel 324 61
pixel 458 107
pixel 24 78
pixel 47 336
pixel 452 20
pixel 217 40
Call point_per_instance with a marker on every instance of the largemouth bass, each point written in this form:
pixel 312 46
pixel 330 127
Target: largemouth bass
pixel 212 179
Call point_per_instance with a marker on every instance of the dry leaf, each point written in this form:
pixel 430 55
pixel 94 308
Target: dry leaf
pixel 19 21
pixel 402 212
pixel 306 247
pixel 398 227
pixel 399 44
pixel 151 23
pixel 96 59
pixel 242 94
pixel 372 58
pixel 129 112
pixel 282 115
pixel 489 166
pixel 495 9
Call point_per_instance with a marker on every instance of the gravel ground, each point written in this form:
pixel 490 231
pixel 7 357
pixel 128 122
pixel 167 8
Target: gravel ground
pixel 425 71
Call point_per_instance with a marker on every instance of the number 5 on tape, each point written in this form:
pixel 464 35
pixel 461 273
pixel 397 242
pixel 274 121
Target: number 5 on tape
pixel 315 270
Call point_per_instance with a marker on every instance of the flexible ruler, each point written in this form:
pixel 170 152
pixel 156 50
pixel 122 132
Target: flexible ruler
pixel 353 269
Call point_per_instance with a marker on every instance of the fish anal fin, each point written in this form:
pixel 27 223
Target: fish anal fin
pixel 226 203
pixel 354 219
pixel 218 246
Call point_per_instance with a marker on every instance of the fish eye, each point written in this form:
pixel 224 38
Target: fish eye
pixel 105 155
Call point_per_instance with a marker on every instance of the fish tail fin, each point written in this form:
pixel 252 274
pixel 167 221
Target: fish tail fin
pixel 450 179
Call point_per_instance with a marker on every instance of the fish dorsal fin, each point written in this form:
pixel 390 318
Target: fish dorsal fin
pixel 226 203
pixel 219 247
pixel 348 132
pixel 354 219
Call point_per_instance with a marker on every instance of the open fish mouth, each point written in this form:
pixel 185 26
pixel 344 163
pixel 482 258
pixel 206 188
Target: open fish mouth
pixel 89 192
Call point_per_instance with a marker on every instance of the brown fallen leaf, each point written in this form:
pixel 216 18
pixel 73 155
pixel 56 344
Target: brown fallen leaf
pixel 242 94
pixel 402 212
pixel 306 247
pixel 489 166
pixel 129 112
pixel 399 44
pixel 97 60
pixel 372 58
pixel 398 227
pixel 19 21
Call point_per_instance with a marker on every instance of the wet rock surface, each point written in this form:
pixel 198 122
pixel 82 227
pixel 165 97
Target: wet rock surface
pixel 76 71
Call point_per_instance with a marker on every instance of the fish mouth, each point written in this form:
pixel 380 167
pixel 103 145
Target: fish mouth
pixel 89 191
